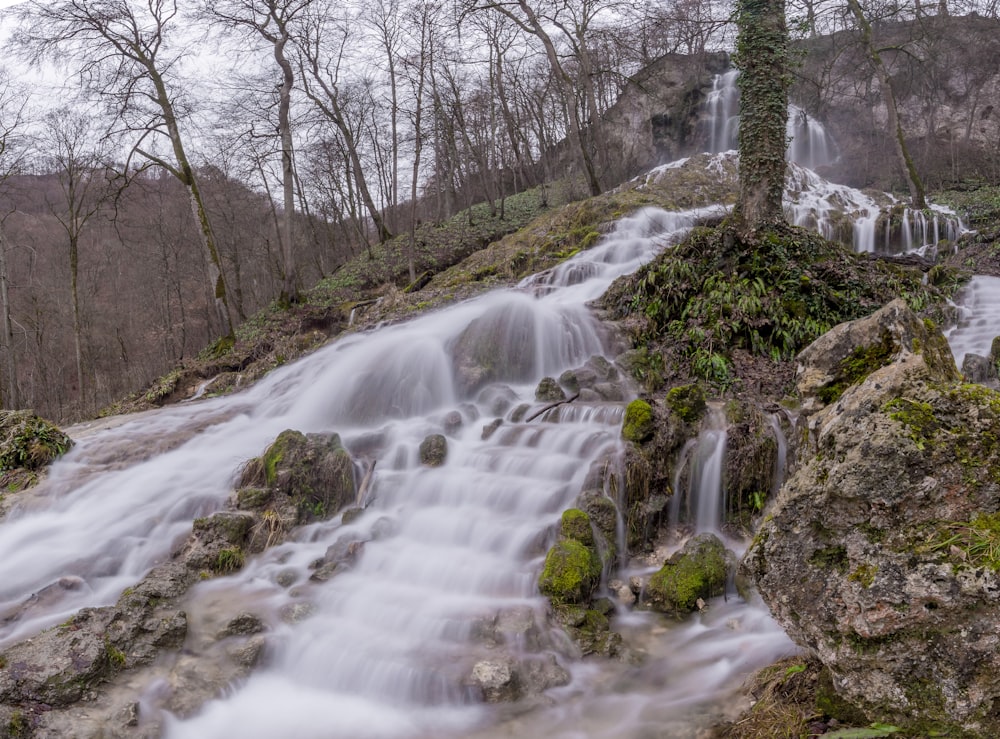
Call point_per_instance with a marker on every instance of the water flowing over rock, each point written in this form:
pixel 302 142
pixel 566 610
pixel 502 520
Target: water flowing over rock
pixel 879 553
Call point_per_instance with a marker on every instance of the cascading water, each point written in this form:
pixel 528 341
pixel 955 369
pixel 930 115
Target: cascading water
pixel 701 501
pixel 723 105
pixel 385 648
pixel 810 145
pixel 979 321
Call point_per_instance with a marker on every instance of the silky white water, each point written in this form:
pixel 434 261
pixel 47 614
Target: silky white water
pixel 385 648
pixel 979 321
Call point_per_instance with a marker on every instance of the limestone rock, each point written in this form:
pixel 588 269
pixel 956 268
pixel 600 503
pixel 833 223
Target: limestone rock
pixel 850 352
pixel 879 553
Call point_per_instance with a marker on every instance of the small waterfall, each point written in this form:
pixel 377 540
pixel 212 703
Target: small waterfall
pixel 699 493
pixel 979 323
pixel 810 144
pixel 722 105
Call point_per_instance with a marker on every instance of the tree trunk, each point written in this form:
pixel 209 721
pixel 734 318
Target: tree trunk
pixel 185 173
pixel 762 56
pixel 909 169
pixel 289 290
pixel 10 398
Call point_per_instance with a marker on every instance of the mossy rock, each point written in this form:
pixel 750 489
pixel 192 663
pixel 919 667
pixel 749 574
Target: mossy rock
pixel 548 391
pixel 639 424
pixel 434 450
pixel 575 525
pixel 313 472
pixel 687 402
pixel 571 572
pixel 28 441
pixel 699 570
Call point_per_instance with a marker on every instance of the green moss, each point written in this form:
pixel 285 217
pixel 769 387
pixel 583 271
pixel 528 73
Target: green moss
pixel 687 401
pixel 18 726
pixel 829 703
pixel 116 657
pixel 570 573
pixel 832 557
pixel 918 418
pixel 856 367
pixel 575 525
pixel 688 576
pixel 638 425
pixel 864 575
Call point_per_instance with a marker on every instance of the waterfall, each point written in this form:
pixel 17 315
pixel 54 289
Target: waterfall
pixel 722 107
pixel 979 320
pixel 384 648
pixel 699 490
pixel 810 144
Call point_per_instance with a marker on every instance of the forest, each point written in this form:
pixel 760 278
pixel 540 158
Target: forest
pixel 168 169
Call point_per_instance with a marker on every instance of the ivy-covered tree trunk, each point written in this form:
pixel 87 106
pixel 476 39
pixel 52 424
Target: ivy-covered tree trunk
pixel 762 57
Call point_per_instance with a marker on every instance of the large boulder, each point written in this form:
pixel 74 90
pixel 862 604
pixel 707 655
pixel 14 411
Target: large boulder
pixel 881 552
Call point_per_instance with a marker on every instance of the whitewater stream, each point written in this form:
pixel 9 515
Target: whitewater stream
pixel 385 648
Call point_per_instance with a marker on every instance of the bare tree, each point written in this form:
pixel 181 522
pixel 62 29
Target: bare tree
pixel 322 47
pixel 76 153
pixel 274 21
pixel 572 20
pixel 119 50
pixel 13 101
pixel 909 170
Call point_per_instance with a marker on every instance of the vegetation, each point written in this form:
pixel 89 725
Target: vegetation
pixel 638 425
pixel 768 294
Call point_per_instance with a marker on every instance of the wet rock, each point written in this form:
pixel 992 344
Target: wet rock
pixel 497 346
pixel 313 474
pixel 490 428
pixel 452 423
pixel 497 399
pixel 351 515
pixel 698 571
pixel 879 553
pixel 243 625
pixel 572 566
pixel 293 613
pixel 497 680
pixel 247 654
pixel 548 391
pixel 622 592
pixel 433 450
pixel 982 370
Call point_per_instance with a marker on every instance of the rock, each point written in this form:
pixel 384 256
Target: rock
pixel 433 450
pixel 696 572
pixel 622 592
pixel 879 555
pixel 490 428
pixel 497 679
pixel 497 346
pixel 497 399
pixel 571 572
pixel 850 352
pixel 982 370
pixel 452 423
pixel 243 625
pixel 548 391
pixel 638 425
pixel 313 473
pixel 687 402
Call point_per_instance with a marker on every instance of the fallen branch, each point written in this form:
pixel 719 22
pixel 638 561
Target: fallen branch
pixel 549 407
pixel 365 484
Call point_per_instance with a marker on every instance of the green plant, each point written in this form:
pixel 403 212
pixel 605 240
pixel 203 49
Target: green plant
pixel 229 559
